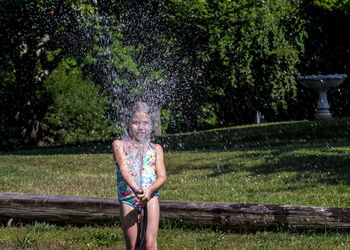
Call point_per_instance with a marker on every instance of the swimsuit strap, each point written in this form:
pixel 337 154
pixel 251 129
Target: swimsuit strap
pixel 149 146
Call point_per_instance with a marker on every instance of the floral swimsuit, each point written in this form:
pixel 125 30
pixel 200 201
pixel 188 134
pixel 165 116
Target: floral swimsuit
pixel 149 176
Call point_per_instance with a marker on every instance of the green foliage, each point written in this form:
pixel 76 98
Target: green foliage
pixel 165 116
pixel 240 56
pixel 35 37
pixel 343 5
pixel 77 109
pixel 249 51
pixel 208 115
pixel 25 242
pixel 103 239
pixel 40 227
pixel 8 134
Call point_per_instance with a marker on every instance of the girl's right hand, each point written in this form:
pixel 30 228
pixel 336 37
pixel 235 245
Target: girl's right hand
pixel 137 191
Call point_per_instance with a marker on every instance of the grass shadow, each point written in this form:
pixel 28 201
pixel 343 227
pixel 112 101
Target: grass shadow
pixel 93 147
pixel 321 163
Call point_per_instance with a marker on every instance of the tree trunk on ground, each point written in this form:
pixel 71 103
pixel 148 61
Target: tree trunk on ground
pixel 91 210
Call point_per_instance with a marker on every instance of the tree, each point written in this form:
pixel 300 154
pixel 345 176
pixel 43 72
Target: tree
pixel 35 37
pixel 221 60
pixel 343 5
pixel 247 52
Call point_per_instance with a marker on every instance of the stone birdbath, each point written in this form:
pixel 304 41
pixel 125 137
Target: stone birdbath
pixel 322 83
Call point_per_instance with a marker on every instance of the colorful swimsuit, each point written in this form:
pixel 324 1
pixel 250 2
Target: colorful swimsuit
pixel 149 176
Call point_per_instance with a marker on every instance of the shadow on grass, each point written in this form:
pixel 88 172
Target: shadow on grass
pixel 312 164
pixel 262 135
pixel 325 166
pixel 180 224
pixel 94 147
pixel 302 147
pixel 233 138
pixel 172 224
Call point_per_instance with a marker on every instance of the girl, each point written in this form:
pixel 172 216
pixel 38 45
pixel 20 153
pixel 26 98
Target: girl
pixel 136 157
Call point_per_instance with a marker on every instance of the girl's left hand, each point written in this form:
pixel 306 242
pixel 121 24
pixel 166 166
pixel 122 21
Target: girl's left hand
pixel 146 196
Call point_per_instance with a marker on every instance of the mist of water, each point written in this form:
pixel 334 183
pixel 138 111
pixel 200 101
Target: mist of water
pixel 137 155
pixel 155 73
pixel 135 61
pixel 138 138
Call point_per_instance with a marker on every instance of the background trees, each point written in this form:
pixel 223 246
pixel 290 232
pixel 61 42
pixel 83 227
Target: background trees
pixel 31 29
pixel 35 37
pixel 206 63
pixel 247 51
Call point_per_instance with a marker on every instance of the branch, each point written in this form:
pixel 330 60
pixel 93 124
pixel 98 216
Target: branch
pixel 48 66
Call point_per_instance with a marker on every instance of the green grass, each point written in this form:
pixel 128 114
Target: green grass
pixel 295 163
pixel 44 236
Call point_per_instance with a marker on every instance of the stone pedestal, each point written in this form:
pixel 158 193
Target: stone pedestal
pixel 322 83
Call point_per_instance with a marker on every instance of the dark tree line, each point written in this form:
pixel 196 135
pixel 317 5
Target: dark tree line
pixel 205 63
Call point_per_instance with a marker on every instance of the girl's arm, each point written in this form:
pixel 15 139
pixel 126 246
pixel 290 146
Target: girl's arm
pixel 119 158
pixel 161 174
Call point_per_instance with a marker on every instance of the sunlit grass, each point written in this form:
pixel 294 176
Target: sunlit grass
pixel 298 176
pixel 287 163
pixel 81 174
pixel 45 236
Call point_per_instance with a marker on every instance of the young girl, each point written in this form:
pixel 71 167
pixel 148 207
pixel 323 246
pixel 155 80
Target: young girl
pixel 136 156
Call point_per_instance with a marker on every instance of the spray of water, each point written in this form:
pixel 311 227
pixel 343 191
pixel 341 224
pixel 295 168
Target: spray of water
pixel 137 135
pixel 136 60
pixel 138 129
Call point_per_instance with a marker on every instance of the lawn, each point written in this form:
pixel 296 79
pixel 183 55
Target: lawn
pixel 294 163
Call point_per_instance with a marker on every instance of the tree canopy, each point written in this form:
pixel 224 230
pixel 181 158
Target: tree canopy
pixel 205 63
pixel 35 37
pixel 247 50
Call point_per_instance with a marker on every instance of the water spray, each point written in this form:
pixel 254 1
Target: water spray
pixel 139 140
pixel 137 156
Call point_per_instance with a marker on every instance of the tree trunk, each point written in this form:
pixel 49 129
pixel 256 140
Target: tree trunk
pixel 91 210
pixel 25 112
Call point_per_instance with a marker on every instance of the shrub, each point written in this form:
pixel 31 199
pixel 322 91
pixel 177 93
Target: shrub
pixel 76 110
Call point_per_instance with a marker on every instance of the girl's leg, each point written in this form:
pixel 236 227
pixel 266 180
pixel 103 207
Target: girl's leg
pixel 152 223
pixel 129 218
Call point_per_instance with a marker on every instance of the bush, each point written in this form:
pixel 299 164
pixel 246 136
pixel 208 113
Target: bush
pixel 8 135
pixel 76 110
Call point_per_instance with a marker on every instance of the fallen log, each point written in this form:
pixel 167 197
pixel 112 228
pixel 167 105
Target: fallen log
pixel 92 210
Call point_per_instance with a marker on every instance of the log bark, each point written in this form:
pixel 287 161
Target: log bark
pixel 91 210
pixel 58 209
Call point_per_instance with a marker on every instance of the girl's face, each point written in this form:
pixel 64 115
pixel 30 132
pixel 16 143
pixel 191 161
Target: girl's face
pixel 140 126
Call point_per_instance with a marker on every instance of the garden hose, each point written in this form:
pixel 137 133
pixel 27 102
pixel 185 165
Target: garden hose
pixel 144 227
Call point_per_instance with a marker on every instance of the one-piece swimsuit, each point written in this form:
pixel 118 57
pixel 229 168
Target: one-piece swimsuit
pixel 149 176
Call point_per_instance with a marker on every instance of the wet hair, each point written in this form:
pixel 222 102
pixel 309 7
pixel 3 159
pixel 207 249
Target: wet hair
pixel 139 107
pixel 133 108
